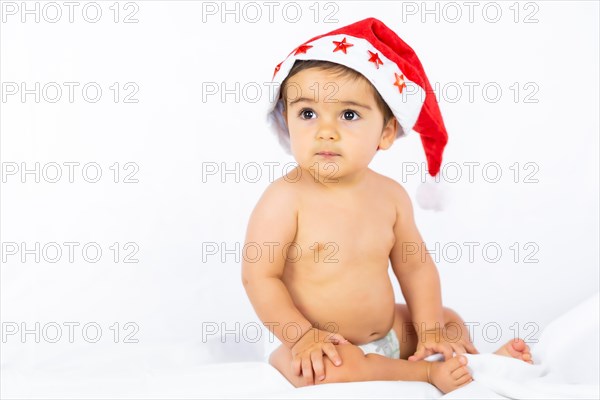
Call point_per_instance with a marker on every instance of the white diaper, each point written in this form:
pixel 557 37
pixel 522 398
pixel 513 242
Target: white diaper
pixel 387 346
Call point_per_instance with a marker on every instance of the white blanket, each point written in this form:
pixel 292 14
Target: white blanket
pixel 566 357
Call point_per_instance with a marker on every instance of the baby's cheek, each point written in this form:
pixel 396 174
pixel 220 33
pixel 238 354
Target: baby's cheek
pixel 301 149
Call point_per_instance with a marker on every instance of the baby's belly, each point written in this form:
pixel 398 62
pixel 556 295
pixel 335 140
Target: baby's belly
pixel 359 306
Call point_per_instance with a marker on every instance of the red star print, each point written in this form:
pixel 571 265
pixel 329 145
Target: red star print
pixel 375 59
pixel 342 45
pixel 399 81
pixel 277 68
pixel 302 49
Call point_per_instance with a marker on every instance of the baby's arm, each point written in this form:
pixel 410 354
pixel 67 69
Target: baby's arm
pixel 272 225
pixel 416 272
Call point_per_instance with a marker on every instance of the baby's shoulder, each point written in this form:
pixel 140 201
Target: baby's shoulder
pixel 281 191
pixel 395 194
pixel 390 187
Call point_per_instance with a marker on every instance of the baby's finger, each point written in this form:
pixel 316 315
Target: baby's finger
pixel 297 366
pixel 459 348
pixel 318 367
pixel 336 338
pixel 307 371
pixel 447 351
pixel 419 355
pixel 332 353
pixel 471 348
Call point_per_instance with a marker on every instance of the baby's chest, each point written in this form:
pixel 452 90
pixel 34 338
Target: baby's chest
pixel 338 231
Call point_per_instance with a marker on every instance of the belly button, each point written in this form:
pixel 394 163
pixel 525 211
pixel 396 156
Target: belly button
pixel 373 334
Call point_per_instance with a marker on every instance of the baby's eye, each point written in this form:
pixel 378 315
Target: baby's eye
pixel 307 113
pixel 350 115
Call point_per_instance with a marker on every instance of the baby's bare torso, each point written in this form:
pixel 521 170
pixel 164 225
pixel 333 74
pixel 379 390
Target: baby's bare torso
pixel 337 271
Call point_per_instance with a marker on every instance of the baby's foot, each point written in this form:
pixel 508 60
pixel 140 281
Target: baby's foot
pixel 451 374
pixel 516 349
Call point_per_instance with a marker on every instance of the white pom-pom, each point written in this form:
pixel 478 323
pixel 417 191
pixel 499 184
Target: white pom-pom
pixel 431 195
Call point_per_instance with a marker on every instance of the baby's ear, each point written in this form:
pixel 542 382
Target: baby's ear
pixel 388 135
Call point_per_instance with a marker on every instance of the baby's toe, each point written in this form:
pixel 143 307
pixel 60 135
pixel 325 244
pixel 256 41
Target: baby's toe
pixel 465 380
pixel 519 345
pixel 516 348
pixel 460 372
pixel 527 357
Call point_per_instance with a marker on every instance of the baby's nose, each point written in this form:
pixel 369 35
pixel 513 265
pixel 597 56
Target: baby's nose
pixel 327 132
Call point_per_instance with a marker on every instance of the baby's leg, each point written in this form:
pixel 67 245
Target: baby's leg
pixel 407 336
pixel 356 367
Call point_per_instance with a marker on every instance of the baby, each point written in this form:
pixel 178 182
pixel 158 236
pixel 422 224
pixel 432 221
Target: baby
pixel 327 296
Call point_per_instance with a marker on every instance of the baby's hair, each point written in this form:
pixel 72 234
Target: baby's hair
pixel 339 71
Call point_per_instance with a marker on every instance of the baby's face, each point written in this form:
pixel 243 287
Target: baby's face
pixel 334 119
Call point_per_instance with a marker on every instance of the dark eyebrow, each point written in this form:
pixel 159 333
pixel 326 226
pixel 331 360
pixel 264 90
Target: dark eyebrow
pixel 348 102
pixel 299 99
pixel 353 103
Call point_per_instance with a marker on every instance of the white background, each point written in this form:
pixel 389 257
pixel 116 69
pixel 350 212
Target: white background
pixel 175 51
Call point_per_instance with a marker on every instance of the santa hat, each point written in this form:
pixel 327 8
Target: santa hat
pixel 374 50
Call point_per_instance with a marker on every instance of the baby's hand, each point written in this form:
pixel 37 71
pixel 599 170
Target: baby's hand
pixel 451 374
pixel 437 342
pixel 307 353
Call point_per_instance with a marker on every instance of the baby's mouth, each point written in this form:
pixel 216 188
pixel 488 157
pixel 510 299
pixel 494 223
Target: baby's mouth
pixel 327 154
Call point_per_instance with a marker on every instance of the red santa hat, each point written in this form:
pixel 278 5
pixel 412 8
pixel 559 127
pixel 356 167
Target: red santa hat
pixel 374 50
